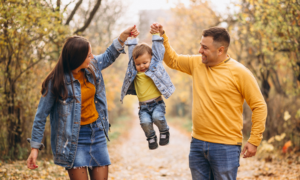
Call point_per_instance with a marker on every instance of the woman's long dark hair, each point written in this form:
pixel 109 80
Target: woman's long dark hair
pixel 73 54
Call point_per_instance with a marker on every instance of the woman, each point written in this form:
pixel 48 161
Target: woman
pixel 74 96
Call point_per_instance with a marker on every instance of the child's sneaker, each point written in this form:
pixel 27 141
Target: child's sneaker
pixel 164 138
pixel 152 142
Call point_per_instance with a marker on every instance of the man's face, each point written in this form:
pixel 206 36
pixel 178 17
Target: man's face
pixel 142 63
pixel 208 50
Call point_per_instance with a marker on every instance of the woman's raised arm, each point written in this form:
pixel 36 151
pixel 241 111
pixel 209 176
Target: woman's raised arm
pixel 117 47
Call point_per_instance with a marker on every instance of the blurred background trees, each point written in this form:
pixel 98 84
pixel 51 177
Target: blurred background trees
pixel 31 37
pixel 264 37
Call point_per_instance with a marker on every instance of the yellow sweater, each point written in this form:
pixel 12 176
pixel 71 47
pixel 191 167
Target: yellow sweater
pixel 218 97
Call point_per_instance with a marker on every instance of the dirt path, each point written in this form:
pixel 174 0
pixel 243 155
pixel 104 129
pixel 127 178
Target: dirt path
pixel 132 159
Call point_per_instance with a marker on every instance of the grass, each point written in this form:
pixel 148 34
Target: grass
pixel 182 123
pixel 119 127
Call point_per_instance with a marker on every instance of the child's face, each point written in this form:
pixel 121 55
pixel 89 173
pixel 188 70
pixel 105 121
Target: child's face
pixel 142 63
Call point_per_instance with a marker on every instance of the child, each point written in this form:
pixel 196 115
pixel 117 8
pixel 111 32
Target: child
pixel 147 78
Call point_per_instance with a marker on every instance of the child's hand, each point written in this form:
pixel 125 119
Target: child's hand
pixel 156 28
pixel 134 32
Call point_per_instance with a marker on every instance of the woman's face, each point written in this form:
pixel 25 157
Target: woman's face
pixel 87 61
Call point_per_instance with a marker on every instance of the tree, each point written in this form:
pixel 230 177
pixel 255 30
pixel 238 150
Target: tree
pixel 32 34
pixel 266 39
pixel 29 34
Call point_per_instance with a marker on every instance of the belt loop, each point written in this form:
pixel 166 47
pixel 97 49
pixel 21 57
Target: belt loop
pixel 156 100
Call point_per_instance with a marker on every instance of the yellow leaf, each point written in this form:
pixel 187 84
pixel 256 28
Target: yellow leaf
pixel 280 137
pixel 286 116
pixel 271 140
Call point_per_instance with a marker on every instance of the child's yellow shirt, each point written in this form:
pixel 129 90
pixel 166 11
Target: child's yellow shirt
pixel 145 87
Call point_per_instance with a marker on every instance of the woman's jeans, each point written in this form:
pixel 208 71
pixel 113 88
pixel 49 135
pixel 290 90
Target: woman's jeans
pixel 213 161
pixel 153 113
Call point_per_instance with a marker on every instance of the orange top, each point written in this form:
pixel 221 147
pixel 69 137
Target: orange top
pixel 89 113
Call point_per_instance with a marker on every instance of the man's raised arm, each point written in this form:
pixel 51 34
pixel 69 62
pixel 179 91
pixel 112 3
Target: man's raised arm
pixel 183 63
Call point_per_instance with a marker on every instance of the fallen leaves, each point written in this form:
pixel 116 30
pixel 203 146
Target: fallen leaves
pixel 269 168
pixel 18 170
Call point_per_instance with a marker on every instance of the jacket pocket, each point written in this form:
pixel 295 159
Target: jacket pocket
pixel 64 108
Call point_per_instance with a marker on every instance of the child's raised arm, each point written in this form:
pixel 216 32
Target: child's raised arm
pixel 131 43
pixel 158 49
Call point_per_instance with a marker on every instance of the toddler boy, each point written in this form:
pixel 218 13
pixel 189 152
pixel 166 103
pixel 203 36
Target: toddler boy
pixel 148 80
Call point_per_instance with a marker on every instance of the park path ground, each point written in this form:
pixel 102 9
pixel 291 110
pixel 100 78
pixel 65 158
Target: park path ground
pixel 132 160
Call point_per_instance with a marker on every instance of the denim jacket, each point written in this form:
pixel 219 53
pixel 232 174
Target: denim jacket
pixel 156 69
pixel 65 115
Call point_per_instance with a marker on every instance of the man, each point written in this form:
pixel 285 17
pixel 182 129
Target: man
pixel 220 86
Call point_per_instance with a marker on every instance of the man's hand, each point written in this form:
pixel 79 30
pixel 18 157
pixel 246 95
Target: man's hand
pixel 157 28
pixel 31 161
pixel 249 150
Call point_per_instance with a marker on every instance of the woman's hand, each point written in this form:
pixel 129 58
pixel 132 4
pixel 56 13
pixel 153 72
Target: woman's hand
pixel 127 33
pixel 134 32
pixel 31 161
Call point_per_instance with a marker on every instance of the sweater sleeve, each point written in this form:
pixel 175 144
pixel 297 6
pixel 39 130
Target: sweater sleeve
pixel 183 63
pixel 250 91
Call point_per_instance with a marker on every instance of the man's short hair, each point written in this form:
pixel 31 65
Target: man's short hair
pixel 219 35
pixel 141 49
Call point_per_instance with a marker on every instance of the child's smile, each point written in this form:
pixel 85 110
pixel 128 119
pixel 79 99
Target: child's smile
pixel 142 63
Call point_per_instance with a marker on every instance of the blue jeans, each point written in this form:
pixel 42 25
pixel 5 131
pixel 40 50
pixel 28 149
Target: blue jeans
pixel 153 113
pixel 213 161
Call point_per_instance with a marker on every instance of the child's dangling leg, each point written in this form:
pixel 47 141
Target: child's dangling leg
pixel 147 126
pixel 159 120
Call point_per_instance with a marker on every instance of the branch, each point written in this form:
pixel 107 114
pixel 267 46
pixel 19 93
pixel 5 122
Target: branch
pixel 2 59
pixel 87 23
pixel 49 5
pixel 73 12
pixel 276 82
pixel 58 5
pixel 66 6
pixel 31 65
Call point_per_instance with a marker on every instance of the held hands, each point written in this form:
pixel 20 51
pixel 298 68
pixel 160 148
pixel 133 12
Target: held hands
pixel 156 28
pixel 31 161
pixel 134 32
pixel 251 150
pixel 131 31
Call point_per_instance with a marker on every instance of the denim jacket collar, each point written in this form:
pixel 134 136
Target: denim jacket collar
pixel 68 78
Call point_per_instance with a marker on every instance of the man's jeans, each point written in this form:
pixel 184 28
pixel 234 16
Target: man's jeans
pixel 153 113
pixel 213 161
